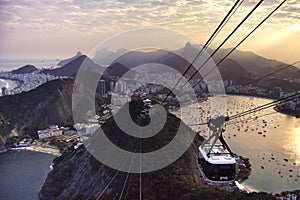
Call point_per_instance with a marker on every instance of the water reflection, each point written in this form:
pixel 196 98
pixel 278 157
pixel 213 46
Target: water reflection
pixel 271 142
pixel 297 144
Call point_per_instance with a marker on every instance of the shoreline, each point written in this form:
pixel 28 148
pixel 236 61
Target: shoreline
pixel 250 96
pixel 37 148
pixel 249 188
pixel 286 112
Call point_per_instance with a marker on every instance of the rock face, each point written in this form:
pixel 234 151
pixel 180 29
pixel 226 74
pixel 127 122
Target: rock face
pixel 78 175
pixel 25 70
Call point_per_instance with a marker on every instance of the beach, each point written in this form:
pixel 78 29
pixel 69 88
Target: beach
pixel 39 148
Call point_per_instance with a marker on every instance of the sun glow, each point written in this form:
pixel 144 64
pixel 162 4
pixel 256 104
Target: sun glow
pixel 295 28
pixel 286 33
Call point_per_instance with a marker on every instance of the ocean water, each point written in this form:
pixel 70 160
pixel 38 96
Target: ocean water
pixel 23 173
pixel 280 140
pixel 11 64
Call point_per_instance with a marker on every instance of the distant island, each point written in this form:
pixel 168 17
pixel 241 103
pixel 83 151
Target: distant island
pixel 25 70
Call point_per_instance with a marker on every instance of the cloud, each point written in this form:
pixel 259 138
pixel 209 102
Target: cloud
pixel 195 18
pixel 78 15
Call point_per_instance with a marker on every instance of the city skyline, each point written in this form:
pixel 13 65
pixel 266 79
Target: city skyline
pixel 58 29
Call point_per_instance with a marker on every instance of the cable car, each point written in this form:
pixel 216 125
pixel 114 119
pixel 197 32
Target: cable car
pixel 217 163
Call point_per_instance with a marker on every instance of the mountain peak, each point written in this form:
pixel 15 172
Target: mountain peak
pixel 71 68
pixel 66 61
pixel 188 45
pixel 78 53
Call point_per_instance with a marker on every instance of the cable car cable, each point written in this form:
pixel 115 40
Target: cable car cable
pixel 211 38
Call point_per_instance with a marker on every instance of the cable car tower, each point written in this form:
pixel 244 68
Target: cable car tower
pixel 217 162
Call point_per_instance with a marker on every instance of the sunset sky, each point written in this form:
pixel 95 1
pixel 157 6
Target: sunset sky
pixel 60 28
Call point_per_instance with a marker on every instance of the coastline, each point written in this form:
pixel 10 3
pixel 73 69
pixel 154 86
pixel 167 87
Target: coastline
pixel 249 188
pixel 38 148
pixel 286 112
pixel 250 96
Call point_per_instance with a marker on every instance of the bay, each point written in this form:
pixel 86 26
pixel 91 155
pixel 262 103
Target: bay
pixel 22 173
pixel 271 140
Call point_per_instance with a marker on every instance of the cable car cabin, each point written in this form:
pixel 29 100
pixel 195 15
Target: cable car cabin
pixel 219 166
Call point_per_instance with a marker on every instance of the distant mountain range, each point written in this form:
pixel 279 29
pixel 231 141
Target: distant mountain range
pixel 251 63
pixel 241 67
pixel 258 65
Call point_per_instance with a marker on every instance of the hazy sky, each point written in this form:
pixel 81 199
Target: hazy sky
pixel 59 28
